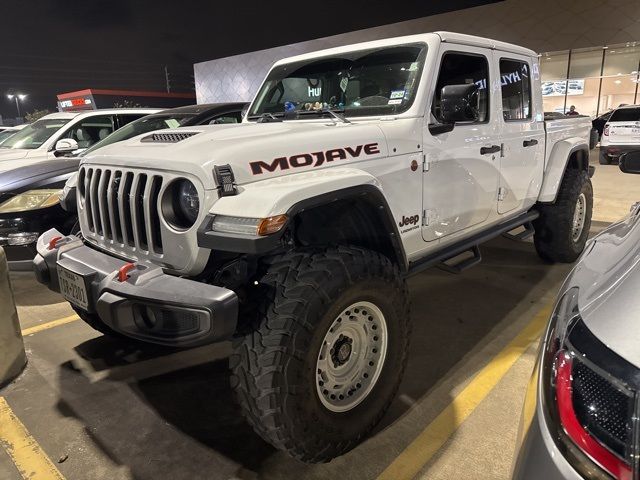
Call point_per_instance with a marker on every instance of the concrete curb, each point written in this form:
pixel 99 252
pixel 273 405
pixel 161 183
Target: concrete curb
pixel 12 355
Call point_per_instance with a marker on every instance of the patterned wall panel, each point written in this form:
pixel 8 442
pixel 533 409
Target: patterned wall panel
pixel 543 25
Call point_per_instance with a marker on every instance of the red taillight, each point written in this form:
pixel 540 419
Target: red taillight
pixel 606 131
pixel 572 426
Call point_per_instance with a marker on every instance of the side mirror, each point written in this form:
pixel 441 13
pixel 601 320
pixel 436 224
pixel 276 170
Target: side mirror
pixel 460 103
pixel 630 162
pixel 65 146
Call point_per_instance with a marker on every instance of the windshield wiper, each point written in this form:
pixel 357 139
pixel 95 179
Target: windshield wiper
pixel 337 114
pixel 265 118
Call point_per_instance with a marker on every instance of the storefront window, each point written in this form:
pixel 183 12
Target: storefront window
pixel 598 79
pixel 621 60
pixel 616 91
pixel 553 65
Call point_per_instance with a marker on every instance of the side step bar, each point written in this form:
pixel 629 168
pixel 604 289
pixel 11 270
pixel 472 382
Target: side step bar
pixel 465 264
pixel 469 244
pixel 523 235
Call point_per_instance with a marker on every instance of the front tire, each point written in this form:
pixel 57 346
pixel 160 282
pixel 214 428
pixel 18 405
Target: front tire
pixel 326 356
pixel 562 229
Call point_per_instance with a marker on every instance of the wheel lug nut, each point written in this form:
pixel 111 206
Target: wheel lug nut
pixel 371 364
pixel 366 375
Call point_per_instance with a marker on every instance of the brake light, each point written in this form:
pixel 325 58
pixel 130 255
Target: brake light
pixel 574 429
pixel 606 131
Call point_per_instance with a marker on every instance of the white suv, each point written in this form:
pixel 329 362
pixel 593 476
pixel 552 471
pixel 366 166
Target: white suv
pixel 621 134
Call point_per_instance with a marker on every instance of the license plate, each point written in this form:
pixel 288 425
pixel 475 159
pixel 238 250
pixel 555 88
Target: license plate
pixel 73 288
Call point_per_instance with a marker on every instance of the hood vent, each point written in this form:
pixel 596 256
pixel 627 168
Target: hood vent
pixel 168 137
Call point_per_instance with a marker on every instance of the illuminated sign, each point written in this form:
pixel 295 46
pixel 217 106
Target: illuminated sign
pixel 76 102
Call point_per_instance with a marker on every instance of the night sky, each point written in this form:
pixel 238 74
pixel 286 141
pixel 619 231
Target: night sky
pixel 54 46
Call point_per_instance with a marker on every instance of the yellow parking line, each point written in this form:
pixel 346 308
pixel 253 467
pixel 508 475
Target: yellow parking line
pixel 48 325
pixel 27 455
pixel 424 447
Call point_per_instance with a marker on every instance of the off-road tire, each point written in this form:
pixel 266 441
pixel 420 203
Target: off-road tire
pixel 554 228
pixel 273 366
pixel 603 158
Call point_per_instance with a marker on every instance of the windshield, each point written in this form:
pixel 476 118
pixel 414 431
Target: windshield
pixel 626 115
pixel 142 125
pixel 34 135
pixel 4 134
pixel 378 81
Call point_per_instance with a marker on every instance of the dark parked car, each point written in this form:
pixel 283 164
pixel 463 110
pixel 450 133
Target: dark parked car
pixel 30 193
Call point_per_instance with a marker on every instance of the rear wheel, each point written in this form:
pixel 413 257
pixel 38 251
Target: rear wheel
pixel 563 227
pixel 325 358
pixel 604 159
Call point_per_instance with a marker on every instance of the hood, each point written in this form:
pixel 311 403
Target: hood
pixel 608 276
pixel 23 174
pixel 13 153
pixel 255 151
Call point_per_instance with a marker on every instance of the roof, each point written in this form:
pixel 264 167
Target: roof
pixel 62 115
pixel 449 37
pixel 90 113
pixel 462 39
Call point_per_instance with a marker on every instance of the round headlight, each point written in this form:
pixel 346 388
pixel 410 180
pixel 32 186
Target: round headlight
pixel 181 204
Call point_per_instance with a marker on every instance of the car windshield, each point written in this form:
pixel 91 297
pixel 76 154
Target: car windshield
pixel 146 124
pixel 34 135
pixel 4 134
pixel 379 81
pixel 626 115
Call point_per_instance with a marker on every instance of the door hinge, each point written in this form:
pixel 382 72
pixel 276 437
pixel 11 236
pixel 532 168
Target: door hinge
pixel 502 193
pixel 428 217
pixel 425 163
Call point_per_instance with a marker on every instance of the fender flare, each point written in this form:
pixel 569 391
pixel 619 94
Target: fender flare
pixel 557 166
pixel 256 245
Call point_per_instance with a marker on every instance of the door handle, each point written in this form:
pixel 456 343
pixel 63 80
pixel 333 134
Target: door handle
pixel 530 143
pixel 491 149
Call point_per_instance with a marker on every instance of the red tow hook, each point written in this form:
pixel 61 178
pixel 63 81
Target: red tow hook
pixel 53 243
pixel 123 272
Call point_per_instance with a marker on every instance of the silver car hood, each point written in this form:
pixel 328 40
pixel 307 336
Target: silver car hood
pixel 608 276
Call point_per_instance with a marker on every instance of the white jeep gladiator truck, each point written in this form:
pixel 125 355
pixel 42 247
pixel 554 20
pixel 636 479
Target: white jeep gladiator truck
pixel 292 232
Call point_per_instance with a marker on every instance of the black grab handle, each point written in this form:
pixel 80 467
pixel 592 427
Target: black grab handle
pixel 491 149
pixel 530 143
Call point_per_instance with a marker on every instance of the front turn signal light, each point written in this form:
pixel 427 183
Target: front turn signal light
pixel 271 225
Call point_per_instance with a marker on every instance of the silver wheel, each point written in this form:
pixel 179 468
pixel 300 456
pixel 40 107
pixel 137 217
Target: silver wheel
pixel 351 357
pixel 579 216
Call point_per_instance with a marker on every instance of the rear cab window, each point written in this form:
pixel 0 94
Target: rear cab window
pixel 626 115
pixel 515 84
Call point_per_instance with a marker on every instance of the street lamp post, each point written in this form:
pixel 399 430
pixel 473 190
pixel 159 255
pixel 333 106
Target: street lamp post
pixel 16 97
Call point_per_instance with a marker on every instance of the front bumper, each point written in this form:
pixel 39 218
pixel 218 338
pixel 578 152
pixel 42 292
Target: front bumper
pixel 149 305
pixel 614 151
pixel 19 233
pixel 539 457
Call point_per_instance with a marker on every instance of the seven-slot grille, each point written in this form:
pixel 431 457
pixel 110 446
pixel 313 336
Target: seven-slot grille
pixel 121 207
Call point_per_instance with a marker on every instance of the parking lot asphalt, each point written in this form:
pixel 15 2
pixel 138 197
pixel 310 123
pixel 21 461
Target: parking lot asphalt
pixel 101 408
